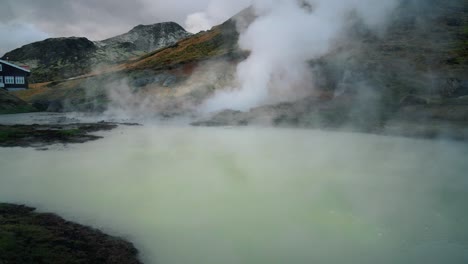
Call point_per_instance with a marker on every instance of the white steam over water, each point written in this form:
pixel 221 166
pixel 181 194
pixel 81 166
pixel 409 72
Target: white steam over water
pixel 206 196
pixel 284 37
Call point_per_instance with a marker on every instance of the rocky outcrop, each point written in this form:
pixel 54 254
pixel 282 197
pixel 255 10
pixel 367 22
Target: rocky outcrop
pixel 28 237
pixel 63 58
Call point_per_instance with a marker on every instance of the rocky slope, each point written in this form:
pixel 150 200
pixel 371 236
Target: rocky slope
pixel 30 237
pixel 62 58
pixel 10 104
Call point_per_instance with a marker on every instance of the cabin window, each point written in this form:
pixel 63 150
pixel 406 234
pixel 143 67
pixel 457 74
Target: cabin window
pixel 1 67
pixel 9 80
pixel 1 79
pixel 19 80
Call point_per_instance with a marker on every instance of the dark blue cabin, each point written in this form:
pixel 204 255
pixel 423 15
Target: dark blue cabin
pixel 13 77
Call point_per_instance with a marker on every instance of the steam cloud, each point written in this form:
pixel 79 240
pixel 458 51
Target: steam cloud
pixel 216 13
pixel 283 38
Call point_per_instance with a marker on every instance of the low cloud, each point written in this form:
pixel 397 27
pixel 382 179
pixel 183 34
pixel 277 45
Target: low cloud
pixel 26 21
pixel 106 18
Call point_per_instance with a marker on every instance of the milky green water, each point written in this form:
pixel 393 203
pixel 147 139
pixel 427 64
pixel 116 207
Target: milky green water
pixel 205 196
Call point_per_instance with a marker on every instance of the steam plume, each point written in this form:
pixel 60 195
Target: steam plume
pixel 284 37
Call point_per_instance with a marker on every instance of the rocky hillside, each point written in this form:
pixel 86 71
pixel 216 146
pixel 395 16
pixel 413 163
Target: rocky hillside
pixel 63 58
pixel 414 72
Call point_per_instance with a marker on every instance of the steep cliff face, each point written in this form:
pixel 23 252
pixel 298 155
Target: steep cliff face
pixel 62 58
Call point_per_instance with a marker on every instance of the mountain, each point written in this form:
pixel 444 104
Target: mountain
pixel 148 38
pixel 167 67
pixel 415 73
pixel 62 58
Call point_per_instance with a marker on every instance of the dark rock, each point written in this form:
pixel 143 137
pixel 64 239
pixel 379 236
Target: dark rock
pixel 55 106
pixel 48 105
pixel 41 105
pixel 39 136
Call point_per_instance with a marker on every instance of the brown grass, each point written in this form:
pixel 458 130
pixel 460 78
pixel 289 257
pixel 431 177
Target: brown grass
pixel 34 89
pixel 196 48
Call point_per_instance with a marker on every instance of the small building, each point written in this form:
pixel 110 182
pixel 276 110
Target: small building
pixel 13 77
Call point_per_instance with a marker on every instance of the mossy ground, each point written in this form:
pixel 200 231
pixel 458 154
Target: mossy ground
pixel 28 237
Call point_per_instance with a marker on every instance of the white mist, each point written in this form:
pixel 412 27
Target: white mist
pixel 206 196
pixel 284 37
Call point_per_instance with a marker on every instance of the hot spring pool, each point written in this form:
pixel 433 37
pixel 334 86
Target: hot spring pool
pixel 188 195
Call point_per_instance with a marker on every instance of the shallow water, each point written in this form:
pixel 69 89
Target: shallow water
pixel 232 195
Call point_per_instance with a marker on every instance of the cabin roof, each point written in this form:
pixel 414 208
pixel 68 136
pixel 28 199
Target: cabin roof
pixel 15 66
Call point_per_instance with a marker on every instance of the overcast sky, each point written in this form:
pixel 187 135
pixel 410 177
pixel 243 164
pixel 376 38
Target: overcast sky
pixel 25 21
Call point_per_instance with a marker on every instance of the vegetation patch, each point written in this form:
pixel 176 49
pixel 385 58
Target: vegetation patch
pixel 28 237
pixel 44 135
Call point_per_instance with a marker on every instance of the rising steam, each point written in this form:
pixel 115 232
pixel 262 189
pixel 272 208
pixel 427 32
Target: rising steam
pixel 283 38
